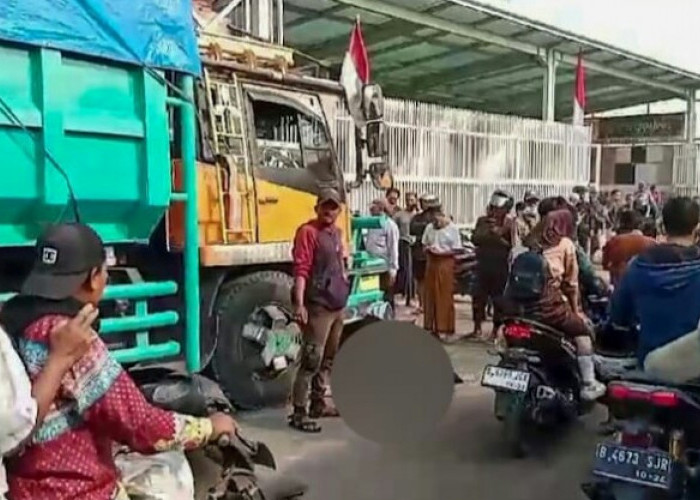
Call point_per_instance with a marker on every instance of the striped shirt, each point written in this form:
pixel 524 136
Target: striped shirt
pixel 384 243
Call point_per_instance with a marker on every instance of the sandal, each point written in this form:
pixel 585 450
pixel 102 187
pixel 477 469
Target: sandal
pixel 323 411
pixel 303 423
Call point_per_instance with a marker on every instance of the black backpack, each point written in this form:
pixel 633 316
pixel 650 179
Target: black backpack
pixel 528 277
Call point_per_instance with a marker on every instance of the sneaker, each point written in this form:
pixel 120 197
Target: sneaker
pixel 593 391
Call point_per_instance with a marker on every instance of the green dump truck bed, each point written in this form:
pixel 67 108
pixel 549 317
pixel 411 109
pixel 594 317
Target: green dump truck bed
pixel 106 125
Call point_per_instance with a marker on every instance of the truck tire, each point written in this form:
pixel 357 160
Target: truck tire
pixel 237 363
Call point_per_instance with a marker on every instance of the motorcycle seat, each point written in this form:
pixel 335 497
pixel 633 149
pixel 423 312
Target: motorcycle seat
pixel 641 377
pixel 275 486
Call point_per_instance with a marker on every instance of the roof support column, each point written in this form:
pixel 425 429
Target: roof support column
pixel 549 87
pixel 690 117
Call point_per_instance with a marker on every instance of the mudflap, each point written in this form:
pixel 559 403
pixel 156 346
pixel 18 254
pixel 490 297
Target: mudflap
pixel 515 424
pixel 501 404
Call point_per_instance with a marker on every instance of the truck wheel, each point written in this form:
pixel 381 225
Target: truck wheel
pixel 253 311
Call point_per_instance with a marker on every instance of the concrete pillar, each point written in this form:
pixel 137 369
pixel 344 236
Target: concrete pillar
pixel 549 88
pixel 690 118
pixel 262 16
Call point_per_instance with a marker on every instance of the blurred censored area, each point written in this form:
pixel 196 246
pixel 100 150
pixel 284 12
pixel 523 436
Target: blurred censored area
pixel 392 382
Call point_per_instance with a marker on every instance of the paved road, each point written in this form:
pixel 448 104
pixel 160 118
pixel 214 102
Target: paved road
pixel 465 459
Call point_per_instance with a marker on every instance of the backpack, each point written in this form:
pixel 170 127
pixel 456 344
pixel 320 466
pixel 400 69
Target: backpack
pixel 528 276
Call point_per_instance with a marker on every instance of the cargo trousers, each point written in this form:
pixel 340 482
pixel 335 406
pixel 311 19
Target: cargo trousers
pixel 321 338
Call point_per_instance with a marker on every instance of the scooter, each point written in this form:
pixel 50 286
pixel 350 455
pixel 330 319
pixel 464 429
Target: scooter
pixel 537 382
pixel 655 450
pixel 465 270
pixel 200 396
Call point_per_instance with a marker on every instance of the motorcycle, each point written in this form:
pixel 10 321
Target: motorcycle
pixel 465 272
pixel 199 396
pixel 537 381
pixel 655 451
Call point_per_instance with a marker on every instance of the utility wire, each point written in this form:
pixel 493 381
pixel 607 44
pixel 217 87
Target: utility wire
pixel 73 202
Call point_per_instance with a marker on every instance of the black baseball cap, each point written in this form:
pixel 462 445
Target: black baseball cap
pixel 65 255
pixel 328 195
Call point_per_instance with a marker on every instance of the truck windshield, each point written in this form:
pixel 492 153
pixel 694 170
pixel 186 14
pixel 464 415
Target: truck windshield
pixel 286 137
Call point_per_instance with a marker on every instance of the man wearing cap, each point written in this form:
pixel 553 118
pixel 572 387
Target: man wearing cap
pixel 321 291
pixel 24 405
pixel 98 404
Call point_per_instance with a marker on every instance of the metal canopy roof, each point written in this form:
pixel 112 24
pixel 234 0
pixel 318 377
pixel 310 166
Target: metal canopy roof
pixel 463 53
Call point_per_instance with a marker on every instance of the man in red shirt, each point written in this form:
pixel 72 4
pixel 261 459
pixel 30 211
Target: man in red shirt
pixel 628 243
pixel 321 290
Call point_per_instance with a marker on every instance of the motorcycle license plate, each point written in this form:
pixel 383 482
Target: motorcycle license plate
pixel 507 379
pixel 369 283
pixel 647 468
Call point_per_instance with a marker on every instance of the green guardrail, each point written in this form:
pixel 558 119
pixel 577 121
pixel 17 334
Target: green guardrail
pixel 141 322
pixel 362 259
pixel 364 265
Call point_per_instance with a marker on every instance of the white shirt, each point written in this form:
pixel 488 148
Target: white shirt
pixel 18 410
pixel 443 240
pixel 384 243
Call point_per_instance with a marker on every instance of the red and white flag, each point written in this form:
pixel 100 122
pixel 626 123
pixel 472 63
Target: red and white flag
pixel 579 93
pixel 355 73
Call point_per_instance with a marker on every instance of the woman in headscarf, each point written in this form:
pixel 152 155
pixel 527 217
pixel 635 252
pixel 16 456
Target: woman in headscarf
pixel 560 305
pixel 441 240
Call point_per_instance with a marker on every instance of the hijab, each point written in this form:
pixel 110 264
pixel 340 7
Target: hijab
pixel 557 225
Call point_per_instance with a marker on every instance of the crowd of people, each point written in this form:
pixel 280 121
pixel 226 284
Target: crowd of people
pixel 562 235
pixel 420 242
pixel 67 402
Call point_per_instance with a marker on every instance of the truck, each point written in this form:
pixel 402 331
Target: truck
pixel 197 185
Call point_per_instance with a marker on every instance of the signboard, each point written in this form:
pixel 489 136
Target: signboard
pixel 650 128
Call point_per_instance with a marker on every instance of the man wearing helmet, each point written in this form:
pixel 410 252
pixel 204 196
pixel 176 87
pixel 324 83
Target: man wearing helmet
pixel 493 239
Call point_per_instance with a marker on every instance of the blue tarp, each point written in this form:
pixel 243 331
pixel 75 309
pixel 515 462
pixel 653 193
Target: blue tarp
pixel 158 33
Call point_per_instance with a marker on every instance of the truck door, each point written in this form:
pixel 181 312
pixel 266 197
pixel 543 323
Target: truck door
pixel 293 158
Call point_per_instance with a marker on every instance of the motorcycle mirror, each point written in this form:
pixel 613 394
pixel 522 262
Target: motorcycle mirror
pixel 263 456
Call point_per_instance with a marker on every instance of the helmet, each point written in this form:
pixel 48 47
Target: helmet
pixel 501 199
pixel 580 190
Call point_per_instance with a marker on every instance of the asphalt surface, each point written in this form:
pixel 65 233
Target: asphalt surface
pixel 465 458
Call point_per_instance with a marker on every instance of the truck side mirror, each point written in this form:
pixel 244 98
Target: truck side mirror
pixel 373 109
pixel 376 141
pixel 381 176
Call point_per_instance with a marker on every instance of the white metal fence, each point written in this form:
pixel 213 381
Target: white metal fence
pixel 686 175
pixel 462 156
